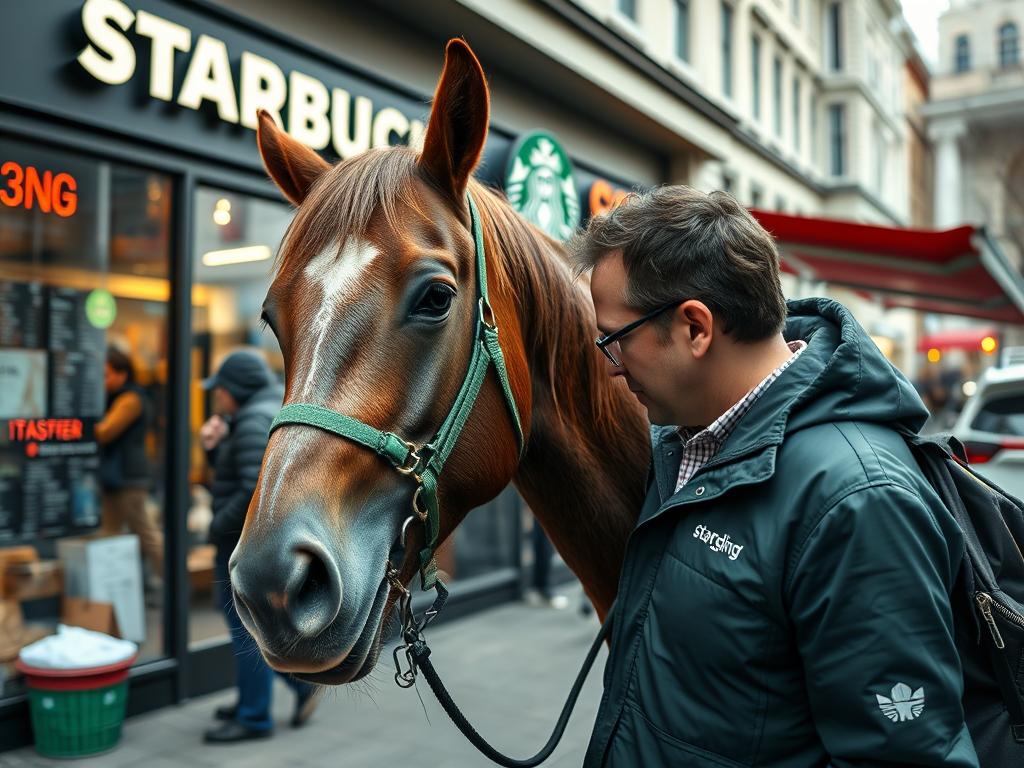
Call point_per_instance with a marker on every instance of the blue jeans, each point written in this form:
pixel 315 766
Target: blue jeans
pixel 254 678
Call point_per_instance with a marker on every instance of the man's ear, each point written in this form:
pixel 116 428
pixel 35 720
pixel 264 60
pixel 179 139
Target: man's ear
pixel 457 129
pixel 292 165
pixel 699 326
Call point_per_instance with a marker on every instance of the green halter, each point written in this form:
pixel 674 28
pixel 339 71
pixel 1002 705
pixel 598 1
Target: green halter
pixel 424 463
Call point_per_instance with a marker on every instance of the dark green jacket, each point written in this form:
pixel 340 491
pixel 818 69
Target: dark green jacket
pixel 793 596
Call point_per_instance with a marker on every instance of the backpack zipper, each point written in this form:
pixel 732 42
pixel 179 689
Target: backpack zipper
pixel 985 603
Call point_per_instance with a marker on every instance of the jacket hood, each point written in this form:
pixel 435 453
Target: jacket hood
pixel 841 376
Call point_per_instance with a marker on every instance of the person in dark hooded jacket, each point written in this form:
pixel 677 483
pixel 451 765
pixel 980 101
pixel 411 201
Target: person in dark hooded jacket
pixel 785 595
pixel 246 397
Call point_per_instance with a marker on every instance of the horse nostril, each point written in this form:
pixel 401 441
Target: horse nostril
pixel 314 592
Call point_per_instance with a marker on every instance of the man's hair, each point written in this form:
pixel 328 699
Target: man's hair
pixel 120 362
pixel 680 243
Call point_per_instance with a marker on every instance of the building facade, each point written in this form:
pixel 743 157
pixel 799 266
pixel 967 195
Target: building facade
pixel 974 119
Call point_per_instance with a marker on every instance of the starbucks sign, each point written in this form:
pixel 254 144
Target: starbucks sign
pixel 540 185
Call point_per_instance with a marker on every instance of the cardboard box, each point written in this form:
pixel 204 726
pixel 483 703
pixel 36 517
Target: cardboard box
pixel 99 617
pixel 31 581
pixel 107 570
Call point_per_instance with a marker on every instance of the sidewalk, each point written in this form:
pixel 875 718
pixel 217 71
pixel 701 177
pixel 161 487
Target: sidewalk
pixel 509 669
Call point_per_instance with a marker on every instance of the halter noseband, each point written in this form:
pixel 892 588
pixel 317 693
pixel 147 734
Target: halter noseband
pixel 424 463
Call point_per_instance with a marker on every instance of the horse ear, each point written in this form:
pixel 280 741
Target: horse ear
pixel 457 129
pixel 292 165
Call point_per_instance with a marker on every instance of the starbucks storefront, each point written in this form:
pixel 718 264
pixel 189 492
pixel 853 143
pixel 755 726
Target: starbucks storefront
pixel 136 215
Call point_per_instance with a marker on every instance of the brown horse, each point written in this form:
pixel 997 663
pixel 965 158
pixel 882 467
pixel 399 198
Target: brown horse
pixel 374 307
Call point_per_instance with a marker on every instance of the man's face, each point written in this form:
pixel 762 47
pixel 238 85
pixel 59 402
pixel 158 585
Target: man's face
pixel 223 402
pixel 654 368
pixel 112 380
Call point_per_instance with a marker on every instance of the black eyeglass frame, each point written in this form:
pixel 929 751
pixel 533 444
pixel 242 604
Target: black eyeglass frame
pixel 603 342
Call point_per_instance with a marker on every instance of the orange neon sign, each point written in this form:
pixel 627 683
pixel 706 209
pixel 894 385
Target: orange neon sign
pixel 604 197
pixel 28 187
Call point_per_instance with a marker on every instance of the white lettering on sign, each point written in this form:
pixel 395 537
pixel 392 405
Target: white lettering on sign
pixel 307 110
pixel 208 78
pixel 263 87
pixel 317 116
pixel 110 57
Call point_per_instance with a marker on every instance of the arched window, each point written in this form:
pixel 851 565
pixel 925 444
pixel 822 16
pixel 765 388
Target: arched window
pixel 963 54
pixel 1009 45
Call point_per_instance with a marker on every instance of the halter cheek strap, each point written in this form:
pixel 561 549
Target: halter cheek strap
pixel 424 463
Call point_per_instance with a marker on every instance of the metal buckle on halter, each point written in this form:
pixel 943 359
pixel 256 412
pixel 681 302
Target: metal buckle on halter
pixel 412 461
pixel 487 315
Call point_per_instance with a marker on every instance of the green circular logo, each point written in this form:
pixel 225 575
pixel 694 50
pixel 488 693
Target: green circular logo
pixel 540 185
pixel 100 308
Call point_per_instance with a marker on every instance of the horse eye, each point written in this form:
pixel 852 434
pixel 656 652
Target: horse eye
pixel 436 302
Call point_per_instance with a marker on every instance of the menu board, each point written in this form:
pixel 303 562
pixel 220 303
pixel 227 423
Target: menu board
pixel 21 315
pixel 76 357
pixel 51 396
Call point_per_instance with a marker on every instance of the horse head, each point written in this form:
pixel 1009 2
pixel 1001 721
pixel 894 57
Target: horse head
pixel 375 306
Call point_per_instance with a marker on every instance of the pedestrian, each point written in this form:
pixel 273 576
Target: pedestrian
pixel 246 398
pixel 541 594
pixel 785 595
pixel 125 475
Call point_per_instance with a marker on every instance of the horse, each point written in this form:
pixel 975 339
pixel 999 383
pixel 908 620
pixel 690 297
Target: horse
pixel 373 303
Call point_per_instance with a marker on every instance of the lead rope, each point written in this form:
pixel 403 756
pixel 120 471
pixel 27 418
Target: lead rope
pixel 417 655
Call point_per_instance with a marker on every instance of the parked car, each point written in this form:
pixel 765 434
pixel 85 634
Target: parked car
pixel 991 427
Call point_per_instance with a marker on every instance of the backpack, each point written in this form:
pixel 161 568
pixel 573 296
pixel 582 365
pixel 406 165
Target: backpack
pixel 988 600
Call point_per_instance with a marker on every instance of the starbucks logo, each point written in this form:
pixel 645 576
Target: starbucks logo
pixel 540 185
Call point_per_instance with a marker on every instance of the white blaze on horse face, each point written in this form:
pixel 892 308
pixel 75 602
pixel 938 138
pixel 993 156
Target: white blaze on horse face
pixel 335 274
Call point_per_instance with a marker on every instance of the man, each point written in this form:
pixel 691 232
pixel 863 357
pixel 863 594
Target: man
pixel 784 599
pixel 124 467
pixel 245 400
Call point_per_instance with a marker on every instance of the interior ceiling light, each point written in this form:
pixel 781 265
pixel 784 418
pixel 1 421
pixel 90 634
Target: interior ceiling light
pixel 221 217
pixel 236 255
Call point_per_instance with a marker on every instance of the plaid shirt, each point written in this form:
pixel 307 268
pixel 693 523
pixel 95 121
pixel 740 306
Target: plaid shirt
pixel 701 445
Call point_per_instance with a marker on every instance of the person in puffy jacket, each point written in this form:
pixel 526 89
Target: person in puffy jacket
pixel 246 397
pixel 785 594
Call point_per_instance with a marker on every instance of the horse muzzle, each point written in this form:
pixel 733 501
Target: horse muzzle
pixel 287 586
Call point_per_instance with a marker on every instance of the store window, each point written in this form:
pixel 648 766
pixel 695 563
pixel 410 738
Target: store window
pixel 725 43
pixel 1009 45
pixel 236 239
pixel 834 36
pixel 84 261
pixel 837 139
pixel 683 30
pixel 962 61
pixel 755 76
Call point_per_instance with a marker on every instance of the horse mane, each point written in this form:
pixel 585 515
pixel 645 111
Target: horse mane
pixel 556 318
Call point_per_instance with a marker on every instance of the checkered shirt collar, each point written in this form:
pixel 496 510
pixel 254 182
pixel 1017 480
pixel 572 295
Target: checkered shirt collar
pixel 701 444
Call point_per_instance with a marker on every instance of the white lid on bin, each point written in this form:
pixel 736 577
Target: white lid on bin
pixel 76 648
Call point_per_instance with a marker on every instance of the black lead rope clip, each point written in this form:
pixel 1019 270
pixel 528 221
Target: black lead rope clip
pixel 415 647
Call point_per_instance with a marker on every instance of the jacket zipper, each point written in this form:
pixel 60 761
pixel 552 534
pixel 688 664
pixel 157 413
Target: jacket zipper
pixel 985 604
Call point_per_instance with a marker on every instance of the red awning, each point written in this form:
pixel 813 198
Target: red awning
pixel 958 271
pixel 955 338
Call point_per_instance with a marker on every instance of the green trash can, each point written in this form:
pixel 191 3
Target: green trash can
pixel 77 712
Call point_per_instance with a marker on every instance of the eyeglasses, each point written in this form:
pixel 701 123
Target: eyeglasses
pixel 609 343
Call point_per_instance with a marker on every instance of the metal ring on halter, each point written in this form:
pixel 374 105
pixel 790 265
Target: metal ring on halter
pixel 422 514
pixel 487 315
pixel 412 461
pixel 405 528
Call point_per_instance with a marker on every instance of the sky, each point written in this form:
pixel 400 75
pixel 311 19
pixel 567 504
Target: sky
pixel 923 17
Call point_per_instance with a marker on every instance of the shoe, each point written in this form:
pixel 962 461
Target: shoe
pixel 233 731
pixel 225 713
pixel 306 704
pixel 535 599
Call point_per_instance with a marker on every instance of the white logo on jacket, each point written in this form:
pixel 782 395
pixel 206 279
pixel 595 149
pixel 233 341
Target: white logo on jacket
pixel 718 543
pixel 904 704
